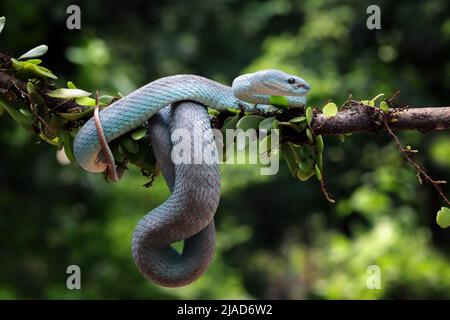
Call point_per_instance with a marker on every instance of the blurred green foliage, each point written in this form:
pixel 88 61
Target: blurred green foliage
pixel 277 237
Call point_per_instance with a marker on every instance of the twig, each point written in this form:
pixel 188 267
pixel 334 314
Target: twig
pixel 421 172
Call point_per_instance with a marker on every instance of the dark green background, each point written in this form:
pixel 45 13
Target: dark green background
pixel 277 237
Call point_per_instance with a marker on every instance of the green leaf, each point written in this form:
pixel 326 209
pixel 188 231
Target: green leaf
pixel 33 61
pixel 370 103
pixel 90 102
pixel 25 121
pixel 26 113
pixel 275 124
pixel 105 99
pixel 319 160
pixel 35 52
pixel 278 101
pixel 2 23
pixel 305 162
pixel 300 160
pixel 2 110
pixel 443 217
pixel 309 115
pixel 71 85
pixel 17 65
pixel 86 101
pixel 31 69
pixel 374 99
pixel 230 123
pixel 77 114
pixel 298 119
pixel 40 71
pixel 290 157
pixel 305 166
pixel 213 112
pixel 330 109
pixel 234 110
pixel 384 106
pixel 318 173
pixel 301 126
pixel 60 145
pixel 130 145
pixel 309 135
pixel 267 124
pixel 138 134
pixel 319 144
pixel 67 141
pixel 249 122
pixel 306 156
pixel 68 93
pixel 53 141
pixel 134 158
pixel 117 152
pixel 31 88
pixel 303 176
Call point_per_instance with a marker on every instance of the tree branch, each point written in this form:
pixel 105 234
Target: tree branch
pixel 354 118
pixel 360 118
pixel 19 88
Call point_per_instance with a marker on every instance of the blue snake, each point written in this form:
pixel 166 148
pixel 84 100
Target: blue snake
pixel 168 104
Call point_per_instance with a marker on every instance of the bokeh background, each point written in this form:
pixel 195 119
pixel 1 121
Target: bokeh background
pixel 277 237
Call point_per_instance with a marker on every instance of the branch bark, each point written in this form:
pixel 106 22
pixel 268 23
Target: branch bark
pixel 359 118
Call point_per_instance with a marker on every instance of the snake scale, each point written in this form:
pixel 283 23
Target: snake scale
pixel 168 104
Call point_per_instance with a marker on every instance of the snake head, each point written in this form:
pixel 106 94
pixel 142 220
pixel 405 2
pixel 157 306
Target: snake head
pixel 278 83
pixel 259 86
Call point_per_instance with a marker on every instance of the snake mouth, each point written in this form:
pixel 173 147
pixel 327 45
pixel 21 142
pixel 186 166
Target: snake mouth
pixel 271 87
pixel 304 86
pixel 293 90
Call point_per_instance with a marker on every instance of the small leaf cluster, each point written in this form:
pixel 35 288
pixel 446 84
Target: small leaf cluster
pixel 301 149
pixel 383 106
pixel 55 114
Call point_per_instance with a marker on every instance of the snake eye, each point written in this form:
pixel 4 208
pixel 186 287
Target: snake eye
pixel 291 80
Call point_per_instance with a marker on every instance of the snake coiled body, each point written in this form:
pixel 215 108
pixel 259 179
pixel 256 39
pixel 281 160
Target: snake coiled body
pixel 188 213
